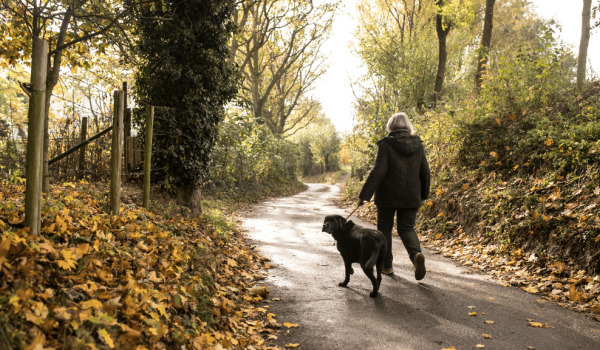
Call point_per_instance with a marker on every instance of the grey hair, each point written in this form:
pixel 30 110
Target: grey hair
pixel 400 121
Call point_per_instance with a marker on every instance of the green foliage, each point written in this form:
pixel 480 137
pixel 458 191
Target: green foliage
pixel 529 115
pixel 247 152
pixel 183 46
pixel 319 145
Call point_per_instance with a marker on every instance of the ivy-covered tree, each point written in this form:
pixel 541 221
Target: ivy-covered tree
pixel 186 75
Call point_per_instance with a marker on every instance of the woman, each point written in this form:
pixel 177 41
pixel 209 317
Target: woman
pixel 400 181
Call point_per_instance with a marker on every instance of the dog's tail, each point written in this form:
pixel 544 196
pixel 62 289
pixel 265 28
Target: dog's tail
pixel 372 259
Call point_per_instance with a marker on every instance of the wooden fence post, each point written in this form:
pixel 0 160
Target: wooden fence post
pixel 127 129
pixel 35 138
pixel 148 154
pixel 81 166
pixel 116 155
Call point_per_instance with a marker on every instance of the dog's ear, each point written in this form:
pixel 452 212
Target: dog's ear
pixel 339 222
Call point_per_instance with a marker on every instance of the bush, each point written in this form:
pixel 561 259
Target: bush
pixel 247 152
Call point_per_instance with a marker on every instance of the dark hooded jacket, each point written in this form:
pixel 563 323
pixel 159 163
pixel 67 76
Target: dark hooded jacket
pixel 401 176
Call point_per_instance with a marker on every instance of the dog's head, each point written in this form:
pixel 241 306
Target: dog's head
pixel 333 223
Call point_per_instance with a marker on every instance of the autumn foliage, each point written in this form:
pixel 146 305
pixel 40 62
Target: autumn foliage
pixel 136 281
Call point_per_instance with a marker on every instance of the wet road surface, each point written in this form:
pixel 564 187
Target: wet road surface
pixel 431 314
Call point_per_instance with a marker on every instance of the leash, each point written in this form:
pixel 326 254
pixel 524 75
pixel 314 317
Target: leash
pixel 355 209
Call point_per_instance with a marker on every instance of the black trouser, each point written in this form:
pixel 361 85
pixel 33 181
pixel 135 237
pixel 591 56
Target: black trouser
pixel 406 230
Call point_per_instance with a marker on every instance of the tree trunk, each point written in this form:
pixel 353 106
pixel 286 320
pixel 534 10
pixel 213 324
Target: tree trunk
pixel 442 34
pixel 191 197
pixel 51 81
pixel 583 44
pixel 486 41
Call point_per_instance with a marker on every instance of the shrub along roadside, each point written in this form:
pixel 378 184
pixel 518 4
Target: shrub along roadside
pixel 140 279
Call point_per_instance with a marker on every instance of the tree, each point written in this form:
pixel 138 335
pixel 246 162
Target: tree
pixel 486 40
pixel 73 29
pixel 442 29
pixel 319 145
pixel 185 72
pixel 278 50
pixel 450 14
pixel 583 43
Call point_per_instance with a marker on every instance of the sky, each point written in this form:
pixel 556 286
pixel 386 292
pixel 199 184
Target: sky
pixel 334 89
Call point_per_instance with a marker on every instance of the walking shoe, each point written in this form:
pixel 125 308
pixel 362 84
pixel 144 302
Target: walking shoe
pixel 419 266
pixel 389 271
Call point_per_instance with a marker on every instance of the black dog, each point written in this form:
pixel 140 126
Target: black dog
pixel 357 245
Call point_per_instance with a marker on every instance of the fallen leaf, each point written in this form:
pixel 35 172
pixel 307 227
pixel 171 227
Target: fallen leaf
pixel 480 346
pixel 292 345
pixel 489 322
pixel 450 348
pixel 291 325
pixel 473 313
pixel 93 303
pixel 575 295
pixel 106 337
pixel 540 325
pixel 531 289
pixel 487 336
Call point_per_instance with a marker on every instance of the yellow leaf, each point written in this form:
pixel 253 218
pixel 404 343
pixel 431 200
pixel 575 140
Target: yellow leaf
pixel 540 325
pixel 438 236
pixel 66 264
pixel 292 345
pixel 549 142
pixel 494 154
pixel 232 263
pixel 473 313
pixel 487 336
pixel 13 300
pixel 291 325
pixel 85 315
pixel 441 214
pixel 531 289
pixel 39 339
pixel 450 348
pixel 480 346
pixel 575 295
pixel 489 322
pixel 92 303
pixel 498 121
pixel 83 249
pixel 465 186
pixel 470 307
pixel 142 246
pixel 106 337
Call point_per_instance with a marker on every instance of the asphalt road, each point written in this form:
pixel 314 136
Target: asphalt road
pixel 432 314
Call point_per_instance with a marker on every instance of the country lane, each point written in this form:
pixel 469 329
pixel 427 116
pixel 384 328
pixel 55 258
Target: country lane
pixel 432 314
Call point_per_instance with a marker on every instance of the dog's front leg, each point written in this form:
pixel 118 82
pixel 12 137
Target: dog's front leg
pixel 349 271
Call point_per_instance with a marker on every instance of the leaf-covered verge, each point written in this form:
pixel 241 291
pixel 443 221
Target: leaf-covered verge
pixel 456 235
pixel 142 280
pixel 516 179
